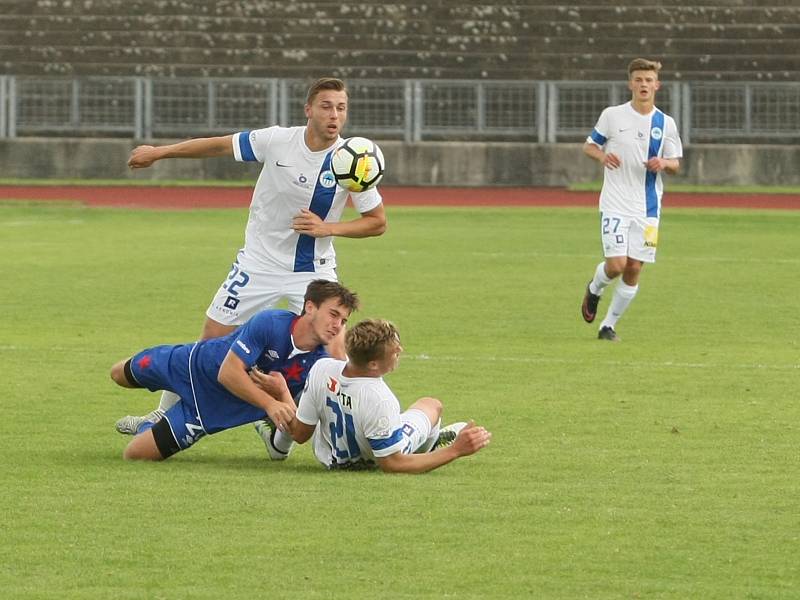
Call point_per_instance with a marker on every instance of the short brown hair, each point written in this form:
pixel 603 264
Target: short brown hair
pixel 325 83
pixel 320 290
pixel 369 339
pixel 643 64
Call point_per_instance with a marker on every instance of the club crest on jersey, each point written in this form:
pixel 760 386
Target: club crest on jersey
pixel 326 179
pixel 333 385
pixel 656 133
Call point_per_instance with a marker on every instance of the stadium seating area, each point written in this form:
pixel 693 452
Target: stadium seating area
pixel 539 40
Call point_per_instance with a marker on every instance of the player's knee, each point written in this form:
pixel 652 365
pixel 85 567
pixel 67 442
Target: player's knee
pixel 142 447
pixel 430 406
pixel 118 374
pixel 614 267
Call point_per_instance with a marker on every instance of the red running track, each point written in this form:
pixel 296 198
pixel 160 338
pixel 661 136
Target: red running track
pixel 231 197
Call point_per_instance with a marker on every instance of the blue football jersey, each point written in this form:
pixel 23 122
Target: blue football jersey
pixel 265 341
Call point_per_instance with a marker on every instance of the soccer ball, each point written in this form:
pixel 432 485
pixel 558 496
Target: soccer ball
pixel 357 164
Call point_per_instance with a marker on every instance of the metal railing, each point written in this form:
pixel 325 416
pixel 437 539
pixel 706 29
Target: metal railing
pixel 409 109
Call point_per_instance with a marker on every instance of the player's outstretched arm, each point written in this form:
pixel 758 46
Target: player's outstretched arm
pixel 469 441
pixel 369 224
pixel 144 156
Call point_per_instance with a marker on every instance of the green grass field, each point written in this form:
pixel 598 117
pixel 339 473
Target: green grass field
pixel 662 467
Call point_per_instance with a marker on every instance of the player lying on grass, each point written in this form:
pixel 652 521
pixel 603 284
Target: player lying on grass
pixel 355 418
pixel 212 376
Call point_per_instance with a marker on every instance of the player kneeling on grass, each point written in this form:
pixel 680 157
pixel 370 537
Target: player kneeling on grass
pixel 355 418
pixel 212 376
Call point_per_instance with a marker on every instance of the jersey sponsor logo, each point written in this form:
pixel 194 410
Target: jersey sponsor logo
pixel 280 164
pixel 656 133
pixel 243 346
pixel 144 362
pixel 650 236
pixel 273 354
pixel 231 302
pixel 326 179
pixel 302 181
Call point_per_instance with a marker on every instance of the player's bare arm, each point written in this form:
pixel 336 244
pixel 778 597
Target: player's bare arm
pixel 469 441
pixel 369 224
pixel 273 383
pixel 607 159
pixel 668 165
pixel 234 376
pixel 301 432
pixel 144 156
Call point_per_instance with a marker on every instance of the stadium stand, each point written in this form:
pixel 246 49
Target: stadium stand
pixel 731 40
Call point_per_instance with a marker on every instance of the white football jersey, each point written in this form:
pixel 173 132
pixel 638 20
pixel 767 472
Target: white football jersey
pixel 293 178
pixel 631 190
pixel 357 419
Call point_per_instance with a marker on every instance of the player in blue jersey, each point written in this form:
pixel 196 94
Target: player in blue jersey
pixel 213 377
pixel 294 215
pixel 355 419
pixel 635 142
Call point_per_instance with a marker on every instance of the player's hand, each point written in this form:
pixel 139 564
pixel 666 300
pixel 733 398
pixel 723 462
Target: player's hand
pixel 471 439
pixel 273 382
pixel 142 156
pixel 282 414
pixel 611 161
pixel 655 164
pixel 309 223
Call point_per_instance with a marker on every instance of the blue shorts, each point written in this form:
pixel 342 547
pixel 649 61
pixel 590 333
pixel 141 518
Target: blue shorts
pixel 164 368
pixel 178 429
pixel 167 368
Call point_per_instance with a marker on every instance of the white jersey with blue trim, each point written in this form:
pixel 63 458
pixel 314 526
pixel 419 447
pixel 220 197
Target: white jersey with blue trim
pixel 357 418
pixel 293 178
pixel 631 190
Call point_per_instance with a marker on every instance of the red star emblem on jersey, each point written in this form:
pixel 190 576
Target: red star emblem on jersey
pixel 144 362
pixel 332 384
pixel 293 372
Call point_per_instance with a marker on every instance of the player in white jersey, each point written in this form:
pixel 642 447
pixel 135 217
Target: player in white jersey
pixel 294 214
pixel 355 419
pixel 635 142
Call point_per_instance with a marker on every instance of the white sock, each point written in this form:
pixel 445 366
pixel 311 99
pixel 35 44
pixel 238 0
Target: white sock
pixel 168 400
pixel 623 294
pixel 600 280
pixel 282 441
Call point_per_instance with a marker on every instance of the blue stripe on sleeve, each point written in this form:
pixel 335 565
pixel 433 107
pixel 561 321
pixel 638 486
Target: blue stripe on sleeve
pixel 395 438
pixel 598 138
pixel 651 196
pixel 321 203
pixel 245 147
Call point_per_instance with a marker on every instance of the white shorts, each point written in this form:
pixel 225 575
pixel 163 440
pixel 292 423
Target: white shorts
pixel 245 293
pixel 636 237
pixel 416 429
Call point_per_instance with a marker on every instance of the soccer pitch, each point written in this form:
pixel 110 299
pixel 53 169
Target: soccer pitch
pixel 662 467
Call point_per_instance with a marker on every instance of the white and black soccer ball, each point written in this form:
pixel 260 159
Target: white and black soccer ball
pixel 357 164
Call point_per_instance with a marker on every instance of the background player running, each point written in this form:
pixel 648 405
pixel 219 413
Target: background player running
pixel 635 142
